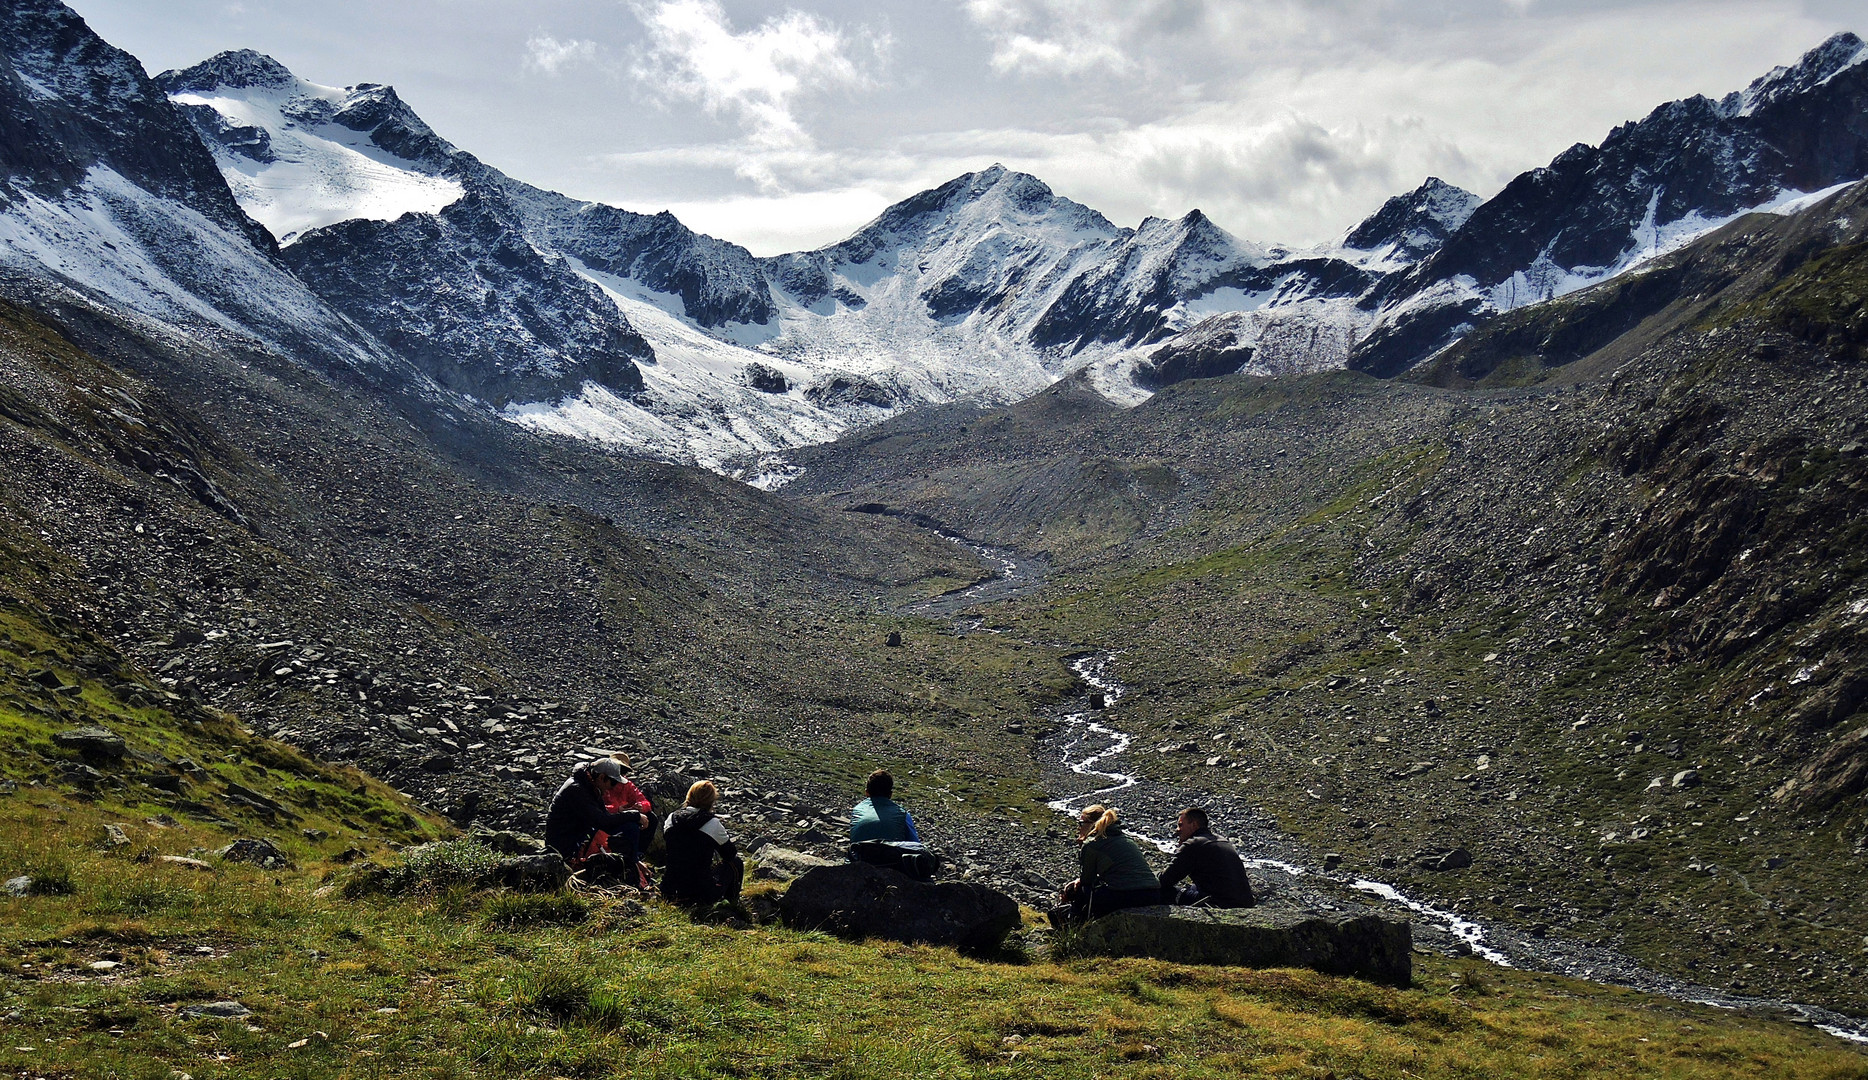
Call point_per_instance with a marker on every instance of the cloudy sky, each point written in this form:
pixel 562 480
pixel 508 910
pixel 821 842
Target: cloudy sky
pixel 788 125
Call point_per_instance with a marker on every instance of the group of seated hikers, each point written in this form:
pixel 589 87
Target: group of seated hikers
pixel 600 823
pixel 1116 875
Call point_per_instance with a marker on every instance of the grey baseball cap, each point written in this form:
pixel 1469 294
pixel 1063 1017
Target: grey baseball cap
pixel 608 767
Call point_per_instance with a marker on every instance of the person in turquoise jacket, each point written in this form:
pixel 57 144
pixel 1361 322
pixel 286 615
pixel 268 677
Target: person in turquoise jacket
pixel 880 817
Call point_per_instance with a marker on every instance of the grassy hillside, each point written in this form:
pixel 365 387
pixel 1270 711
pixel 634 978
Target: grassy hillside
pixel 452 983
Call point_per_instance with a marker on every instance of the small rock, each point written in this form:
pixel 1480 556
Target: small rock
pixel 1686 778
pixel 528 873
pixel 104 966
pixel 95 742
pixel 216 1010
pixel 1457 859
pixel 261 853
pixel 507 842
pixel 115 837
pixel 183 860
pixel 1331 861
pixel 895 639
pixel 19 886
pixel 784 864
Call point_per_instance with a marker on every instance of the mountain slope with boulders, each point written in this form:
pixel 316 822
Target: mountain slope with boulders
pixel 1580 597
pixel 1584 598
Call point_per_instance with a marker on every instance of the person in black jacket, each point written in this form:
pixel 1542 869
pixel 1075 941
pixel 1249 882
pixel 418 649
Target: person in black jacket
pixel 1214 865
pixel 578 812
pixel 695 840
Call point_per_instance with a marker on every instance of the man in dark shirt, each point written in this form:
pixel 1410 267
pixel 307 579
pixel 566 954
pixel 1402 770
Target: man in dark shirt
pixel 1218 874
pixel 578 812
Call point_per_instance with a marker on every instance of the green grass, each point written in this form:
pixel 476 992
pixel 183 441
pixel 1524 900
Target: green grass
pixel 496 985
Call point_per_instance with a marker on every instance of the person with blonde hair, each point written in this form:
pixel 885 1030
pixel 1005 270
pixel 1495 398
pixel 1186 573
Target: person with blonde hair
pixel 1115 873
pixel 702 865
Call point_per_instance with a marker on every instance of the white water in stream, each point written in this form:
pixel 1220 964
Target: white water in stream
pixel 1093 670
pixel 1092 743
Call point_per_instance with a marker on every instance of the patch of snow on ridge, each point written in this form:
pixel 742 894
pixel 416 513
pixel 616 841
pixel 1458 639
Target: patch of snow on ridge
pixel 162 261
pixel 82 239
pixel 1545 280
pixel 321 172
pixel 697 405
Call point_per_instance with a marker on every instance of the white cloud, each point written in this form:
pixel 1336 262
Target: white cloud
pixel 756 77
pixel 549 55
pixel 1067 37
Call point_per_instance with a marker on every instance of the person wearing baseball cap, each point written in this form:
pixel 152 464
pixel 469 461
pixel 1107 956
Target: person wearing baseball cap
pixel 579 811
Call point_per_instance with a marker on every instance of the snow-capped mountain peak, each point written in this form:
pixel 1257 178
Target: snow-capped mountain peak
pixel 1816 67
pixel 300 156
pixel 235 69
pixel 1414 225
pixel 967 206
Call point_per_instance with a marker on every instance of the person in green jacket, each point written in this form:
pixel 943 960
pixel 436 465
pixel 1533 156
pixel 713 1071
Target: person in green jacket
pixel 880 817
pixel 1115 875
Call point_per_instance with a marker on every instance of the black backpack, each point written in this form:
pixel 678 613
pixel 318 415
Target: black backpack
pixel 911 858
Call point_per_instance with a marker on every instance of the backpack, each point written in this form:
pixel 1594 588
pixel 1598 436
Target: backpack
pixel 907 857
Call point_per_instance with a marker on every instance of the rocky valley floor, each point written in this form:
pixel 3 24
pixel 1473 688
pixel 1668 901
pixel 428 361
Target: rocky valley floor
pixel 1595 625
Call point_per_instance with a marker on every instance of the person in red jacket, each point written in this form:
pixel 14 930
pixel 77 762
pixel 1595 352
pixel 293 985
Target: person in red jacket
pixel 624 797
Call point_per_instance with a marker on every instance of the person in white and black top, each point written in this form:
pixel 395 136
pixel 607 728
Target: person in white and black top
pixel 702 866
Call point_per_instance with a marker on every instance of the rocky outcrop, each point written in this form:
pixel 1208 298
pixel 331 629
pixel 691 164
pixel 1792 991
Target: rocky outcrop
pixel 465 297
pixel 1357 942
pixel 718 282
pixel 70 102
pixel 1415 225
pixel 857 900
pixel 1837 774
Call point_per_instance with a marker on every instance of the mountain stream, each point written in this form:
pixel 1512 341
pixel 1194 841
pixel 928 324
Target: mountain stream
pixel 1088 753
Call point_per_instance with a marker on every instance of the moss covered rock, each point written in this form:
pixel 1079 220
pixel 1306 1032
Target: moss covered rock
pixel 1359 942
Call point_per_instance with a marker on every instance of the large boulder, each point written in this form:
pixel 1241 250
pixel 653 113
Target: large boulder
pixel 261 853
pixel 1357 942
pixel 857 900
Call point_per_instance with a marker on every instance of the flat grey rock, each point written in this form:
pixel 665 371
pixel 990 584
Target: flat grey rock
pixel 1358 942
pixel 216 1010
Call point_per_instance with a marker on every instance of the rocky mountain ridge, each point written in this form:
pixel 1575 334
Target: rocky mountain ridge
pixel 989 287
